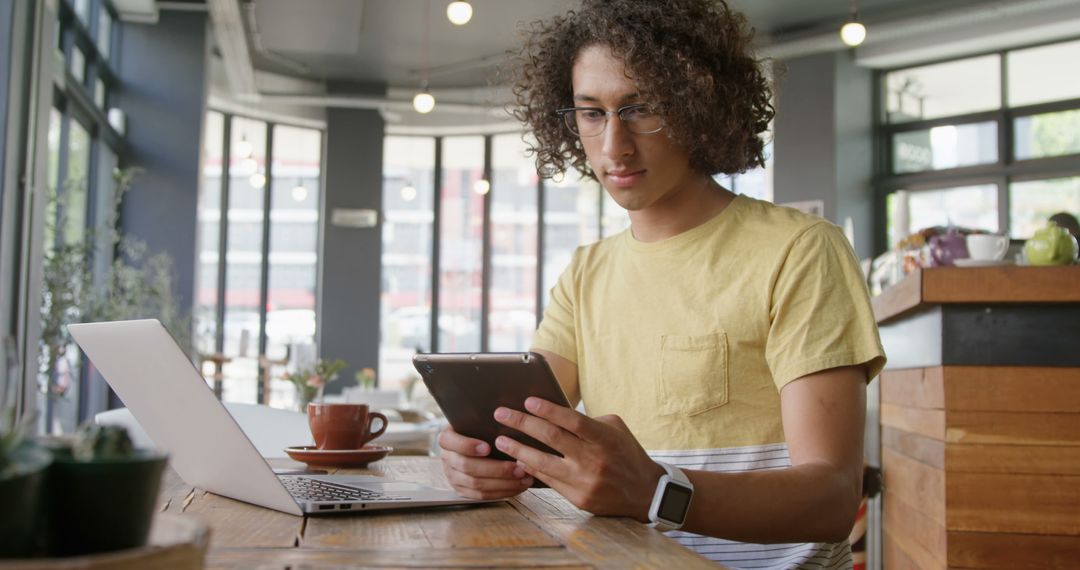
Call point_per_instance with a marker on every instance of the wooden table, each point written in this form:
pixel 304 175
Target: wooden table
pixel 537 529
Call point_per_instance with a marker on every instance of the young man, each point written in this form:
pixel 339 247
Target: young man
pixel 724 335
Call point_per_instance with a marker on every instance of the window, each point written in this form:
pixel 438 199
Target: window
pixel 513 239
pixel 461 241
pixel 264 314
pixel 989 142
pixel 82 153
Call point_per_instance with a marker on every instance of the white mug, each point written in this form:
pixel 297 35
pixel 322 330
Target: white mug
pixel 987 247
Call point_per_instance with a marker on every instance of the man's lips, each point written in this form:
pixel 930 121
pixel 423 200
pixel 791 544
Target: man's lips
pixel 624 177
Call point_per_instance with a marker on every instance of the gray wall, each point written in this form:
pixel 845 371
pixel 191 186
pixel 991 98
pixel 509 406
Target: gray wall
pixel 824 145
pixel 163 77
pixel 350 260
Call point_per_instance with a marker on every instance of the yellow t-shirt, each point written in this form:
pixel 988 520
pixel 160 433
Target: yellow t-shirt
pixel 690 339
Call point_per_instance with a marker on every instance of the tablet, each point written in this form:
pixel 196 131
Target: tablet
pixel 468 388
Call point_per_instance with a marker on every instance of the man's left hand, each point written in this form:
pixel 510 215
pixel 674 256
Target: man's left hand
pixel 604 470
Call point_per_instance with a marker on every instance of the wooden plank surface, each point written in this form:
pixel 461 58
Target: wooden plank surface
pixel 1018 459
pixel 920 448
pixel 923 539
pixel 1012 388
pixel 914 387
pixel 1011 428
pixel 537 529
pixel 894 555
pixel 1003 284
pixel 999 550
pixel 921 486
pixel 928 423
pixel 1023 504
pixel 393 557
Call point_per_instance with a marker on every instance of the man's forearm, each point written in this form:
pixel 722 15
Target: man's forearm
pixel 807 503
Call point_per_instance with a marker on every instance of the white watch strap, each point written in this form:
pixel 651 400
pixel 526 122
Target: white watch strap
pixel 675 473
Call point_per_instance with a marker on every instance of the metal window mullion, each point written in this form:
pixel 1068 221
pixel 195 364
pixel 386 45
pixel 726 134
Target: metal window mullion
pixel 436 244
pixel 223 242
pixel 264 266
pixel 541 205
pixel 485 250
pixel 599 213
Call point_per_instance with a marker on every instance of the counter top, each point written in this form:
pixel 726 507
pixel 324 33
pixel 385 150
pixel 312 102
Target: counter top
pixel 997 284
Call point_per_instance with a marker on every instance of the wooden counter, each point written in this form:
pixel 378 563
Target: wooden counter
pixel 980 418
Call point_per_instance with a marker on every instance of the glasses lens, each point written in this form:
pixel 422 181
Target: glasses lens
pixel 588 122
pixel 640 120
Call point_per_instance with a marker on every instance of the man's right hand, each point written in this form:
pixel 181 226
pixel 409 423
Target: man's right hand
pixel 473 474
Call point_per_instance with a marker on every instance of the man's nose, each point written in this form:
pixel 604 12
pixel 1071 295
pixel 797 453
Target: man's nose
pixel 618 140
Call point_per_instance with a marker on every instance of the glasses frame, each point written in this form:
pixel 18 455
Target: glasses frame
pixel 569 111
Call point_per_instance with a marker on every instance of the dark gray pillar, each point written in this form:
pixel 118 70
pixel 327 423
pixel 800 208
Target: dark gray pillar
pixel 7 16
pixel 824 139
pixel 163 85
pixel 350 260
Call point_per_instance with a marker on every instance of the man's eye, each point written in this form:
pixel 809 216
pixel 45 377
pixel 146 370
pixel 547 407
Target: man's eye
pixel 591 114
pixel 636 113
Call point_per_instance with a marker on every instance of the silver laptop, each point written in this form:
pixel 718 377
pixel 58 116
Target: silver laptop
pixel 178 410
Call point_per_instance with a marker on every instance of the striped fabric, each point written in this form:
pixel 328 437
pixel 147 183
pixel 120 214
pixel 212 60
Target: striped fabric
pixel 739 555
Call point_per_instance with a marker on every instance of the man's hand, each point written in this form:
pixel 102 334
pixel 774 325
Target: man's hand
pixel 473 475
pixel 604 470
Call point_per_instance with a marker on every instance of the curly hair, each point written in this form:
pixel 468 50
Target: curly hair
pixel 699 73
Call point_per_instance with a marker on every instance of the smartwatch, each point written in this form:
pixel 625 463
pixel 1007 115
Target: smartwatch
pixel 671 500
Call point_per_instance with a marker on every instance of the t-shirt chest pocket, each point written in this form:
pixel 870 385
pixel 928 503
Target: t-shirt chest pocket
pixel 693 373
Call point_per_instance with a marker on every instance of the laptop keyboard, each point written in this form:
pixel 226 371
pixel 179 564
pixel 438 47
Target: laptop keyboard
pixel 315 490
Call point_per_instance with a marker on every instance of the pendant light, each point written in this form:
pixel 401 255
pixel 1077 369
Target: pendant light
pixel 299 192
pixel 853 31
pixel 459 13
pixel 424 101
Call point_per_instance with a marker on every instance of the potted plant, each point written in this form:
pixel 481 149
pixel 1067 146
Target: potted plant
pixel 375 397
pixel 101 492
pixel 23 464
pixel 309 383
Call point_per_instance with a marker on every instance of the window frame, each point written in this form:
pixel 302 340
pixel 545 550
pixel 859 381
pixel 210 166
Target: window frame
pixel 1003 172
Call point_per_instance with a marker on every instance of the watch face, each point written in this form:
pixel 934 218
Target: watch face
pixel 674 503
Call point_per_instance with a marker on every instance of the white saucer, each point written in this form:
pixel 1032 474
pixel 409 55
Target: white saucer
pixel 968 262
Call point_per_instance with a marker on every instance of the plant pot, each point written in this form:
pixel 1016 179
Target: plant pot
pixel 101 505
pixel 20 494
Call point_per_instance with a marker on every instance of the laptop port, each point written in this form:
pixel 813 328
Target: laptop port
pixel 326 507
pixel 345 507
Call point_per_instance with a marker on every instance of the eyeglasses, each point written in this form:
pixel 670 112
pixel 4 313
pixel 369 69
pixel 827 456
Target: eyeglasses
pixel 591 121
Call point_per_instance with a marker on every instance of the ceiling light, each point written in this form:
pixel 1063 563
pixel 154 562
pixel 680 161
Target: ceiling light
pixel 408 192
pixel 481 186
pixel 459 13
pixel 558 178
pixel 299 193
pixel 853 32
pixel 244 148
pixel 423 102
pixel 257 180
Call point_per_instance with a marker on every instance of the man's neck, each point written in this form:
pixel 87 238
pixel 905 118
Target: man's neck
pixel 700 202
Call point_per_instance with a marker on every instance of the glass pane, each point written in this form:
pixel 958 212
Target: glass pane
pixel 243 259
pixel 947 146
pixel 76 184
pixel 55 124
pixel 1048 134
pixel 1032 203
pixel 408 206
pixel 973 207
pixel 570 219
pixel 757 183
pixel 99 93
pixel 943 89
pixel 204 319
pixel 512 320
pixel 104 32
pixel 615 218
pixel 294 236
pixel 1041 74
pixel 77 65
pixel 82 10
pixel 461 256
